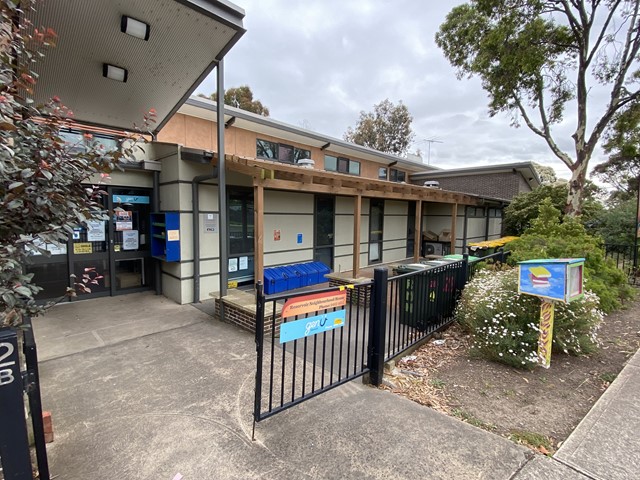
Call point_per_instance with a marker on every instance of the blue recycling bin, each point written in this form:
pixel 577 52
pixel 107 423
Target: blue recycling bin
pixel 313 277
pixel 322 270
pixel 274 280
pixel 293 277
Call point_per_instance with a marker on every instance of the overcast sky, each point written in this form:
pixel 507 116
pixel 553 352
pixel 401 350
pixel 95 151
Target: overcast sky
pixel 318 64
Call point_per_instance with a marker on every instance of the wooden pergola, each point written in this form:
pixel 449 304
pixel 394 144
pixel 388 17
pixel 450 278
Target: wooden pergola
pixel 279 176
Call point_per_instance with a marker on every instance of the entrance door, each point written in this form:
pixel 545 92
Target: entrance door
pixel 130 261
pixel 324 239
pixel 89 259
pixel 240 223
pixel 376 221
pixel 110 257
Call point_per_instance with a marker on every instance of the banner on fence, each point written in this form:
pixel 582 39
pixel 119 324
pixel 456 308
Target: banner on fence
pixel 314 303
pixel 307 327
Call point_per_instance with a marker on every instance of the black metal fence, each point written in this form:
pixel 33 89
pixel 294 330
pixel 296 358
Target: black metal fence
pixel 498 257
pixel 294 364
pixel 14 446
pixel 420 303
pixel 310 343
pixel 626 258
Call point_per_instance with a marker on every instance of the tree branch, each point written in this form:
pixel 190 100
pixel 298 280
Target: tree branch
pixel 547 136
pixel 603 30
pixel 631 48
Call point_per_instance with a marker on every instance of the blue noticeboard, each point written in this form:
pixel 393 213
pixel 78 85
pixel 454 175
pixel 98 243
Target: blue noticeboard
pixel 554 279
pixel 312 325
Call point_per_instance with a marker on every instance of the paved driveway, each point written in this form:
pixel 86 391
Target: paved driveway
pixel 142 388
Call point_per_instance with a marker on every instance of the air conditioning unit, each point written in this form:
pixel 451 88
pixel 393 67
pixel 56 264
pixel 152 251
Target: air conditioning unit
pixel 306 163
pixel 432 248
pixel 432 184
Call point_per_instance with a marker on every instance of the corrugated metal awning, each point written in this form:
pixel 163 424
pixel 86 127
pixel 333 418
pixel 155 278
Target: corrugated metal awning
pixel 187 38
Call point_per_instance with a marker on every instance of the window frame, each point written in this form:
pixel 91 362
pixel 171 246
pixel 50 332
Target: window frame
pixel 343 165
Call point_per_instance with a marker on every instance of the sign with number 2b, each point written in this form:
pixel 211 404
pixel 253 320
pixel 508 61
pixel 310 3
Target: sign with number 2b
pixel 14 444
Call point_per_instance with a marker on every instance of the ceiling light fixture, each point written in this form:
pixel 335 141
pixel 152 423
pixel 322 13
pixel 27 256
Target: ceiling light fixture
pixel 135 28
pixel 114 73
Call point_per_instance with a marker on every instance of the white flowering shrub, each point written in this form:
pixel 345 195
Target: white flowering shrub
pixel 505 325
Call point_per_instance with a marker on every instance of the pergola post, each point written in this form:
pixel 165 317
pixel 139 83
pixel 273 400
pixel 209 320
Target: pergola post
pixel 454 222
pixel 357 212
pixel 417 231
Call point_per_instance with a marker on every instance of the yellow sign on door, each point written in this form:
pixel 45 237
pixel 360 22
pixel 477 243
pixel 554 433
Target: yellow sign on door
pixel 82 247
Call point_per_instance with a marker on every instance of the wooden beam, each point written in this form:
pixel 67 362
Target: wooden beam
pixel 454 222
pixel 258 226
pixel 417 229
pixel 357 211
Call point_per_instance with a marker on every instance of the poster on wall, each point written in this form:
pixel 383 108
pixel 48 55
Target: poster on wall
pixel 210 223
pixel 276 235
pixel 244 263
pixel 233 265
pixel 130 240
pixel 95 231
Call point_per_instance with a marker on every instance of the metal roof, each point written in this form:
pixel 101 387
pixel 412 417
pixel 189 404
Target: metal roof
pixel 187 38
pixel 205 108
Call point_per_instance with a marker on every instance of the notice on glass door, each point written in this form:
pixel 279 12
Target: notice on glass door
pixel 130 240
pixel 95 231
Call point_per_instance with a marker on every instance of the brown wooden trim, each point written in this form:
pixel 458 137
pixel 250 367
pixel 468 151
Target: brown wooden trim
pixel 317 181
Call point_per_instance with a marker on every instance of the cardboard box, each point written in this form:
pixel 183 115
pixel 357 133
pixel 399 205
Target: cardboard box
pixel 445 235
pixel 429 235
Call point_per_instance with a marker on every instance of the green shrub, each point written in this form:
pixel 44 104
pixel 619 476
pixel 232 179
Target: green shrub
pixel 549 238
pixel 504 324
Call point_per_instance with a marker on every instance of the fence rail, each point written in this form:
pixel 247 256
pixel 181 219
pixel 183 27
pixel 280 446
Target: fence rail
pixel 626 259
pixel 289 372
pixel 301 354
pixel 421 303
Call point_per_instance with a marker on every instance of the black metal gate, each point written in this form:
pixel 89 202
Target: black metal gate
pixel 310 343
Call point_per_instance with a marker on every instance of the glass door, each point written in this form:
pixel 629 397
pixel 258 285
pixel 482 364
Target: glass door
pixel 376 221
pixel 89 259
pixel 130 242
pixel 240 218
pixel 324 238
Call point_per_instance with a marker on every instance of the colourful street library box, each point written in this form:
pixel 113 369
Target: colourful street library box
pixel 554 279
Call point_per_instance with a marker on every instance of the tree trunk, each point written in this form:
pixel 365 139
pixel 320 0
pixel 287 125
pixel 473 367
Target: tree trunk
pixel 576 189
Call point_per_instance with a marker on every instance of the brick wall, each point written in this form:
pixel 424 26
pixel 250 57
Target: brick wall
pixel 245 318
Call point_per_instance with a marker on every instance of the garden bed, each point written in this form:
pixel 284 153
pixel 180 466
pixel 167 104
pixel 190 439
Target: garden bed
pixel 538 408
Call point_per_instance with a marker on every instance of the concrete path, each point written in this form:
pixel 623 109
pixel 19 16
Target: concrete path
pixel 142 388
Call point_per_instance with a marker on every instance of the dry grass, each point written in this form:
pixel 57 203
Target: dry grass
pixel 414 376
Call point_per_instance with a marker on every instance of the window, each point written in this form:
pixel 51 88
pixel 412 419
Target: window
pixel 475 212
pixel 397 175
pixel 266 149
pixel 495 213
pixel 80 143
pixel 341 164
pixel 382 173
pixel 285 153
pixel 280 151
